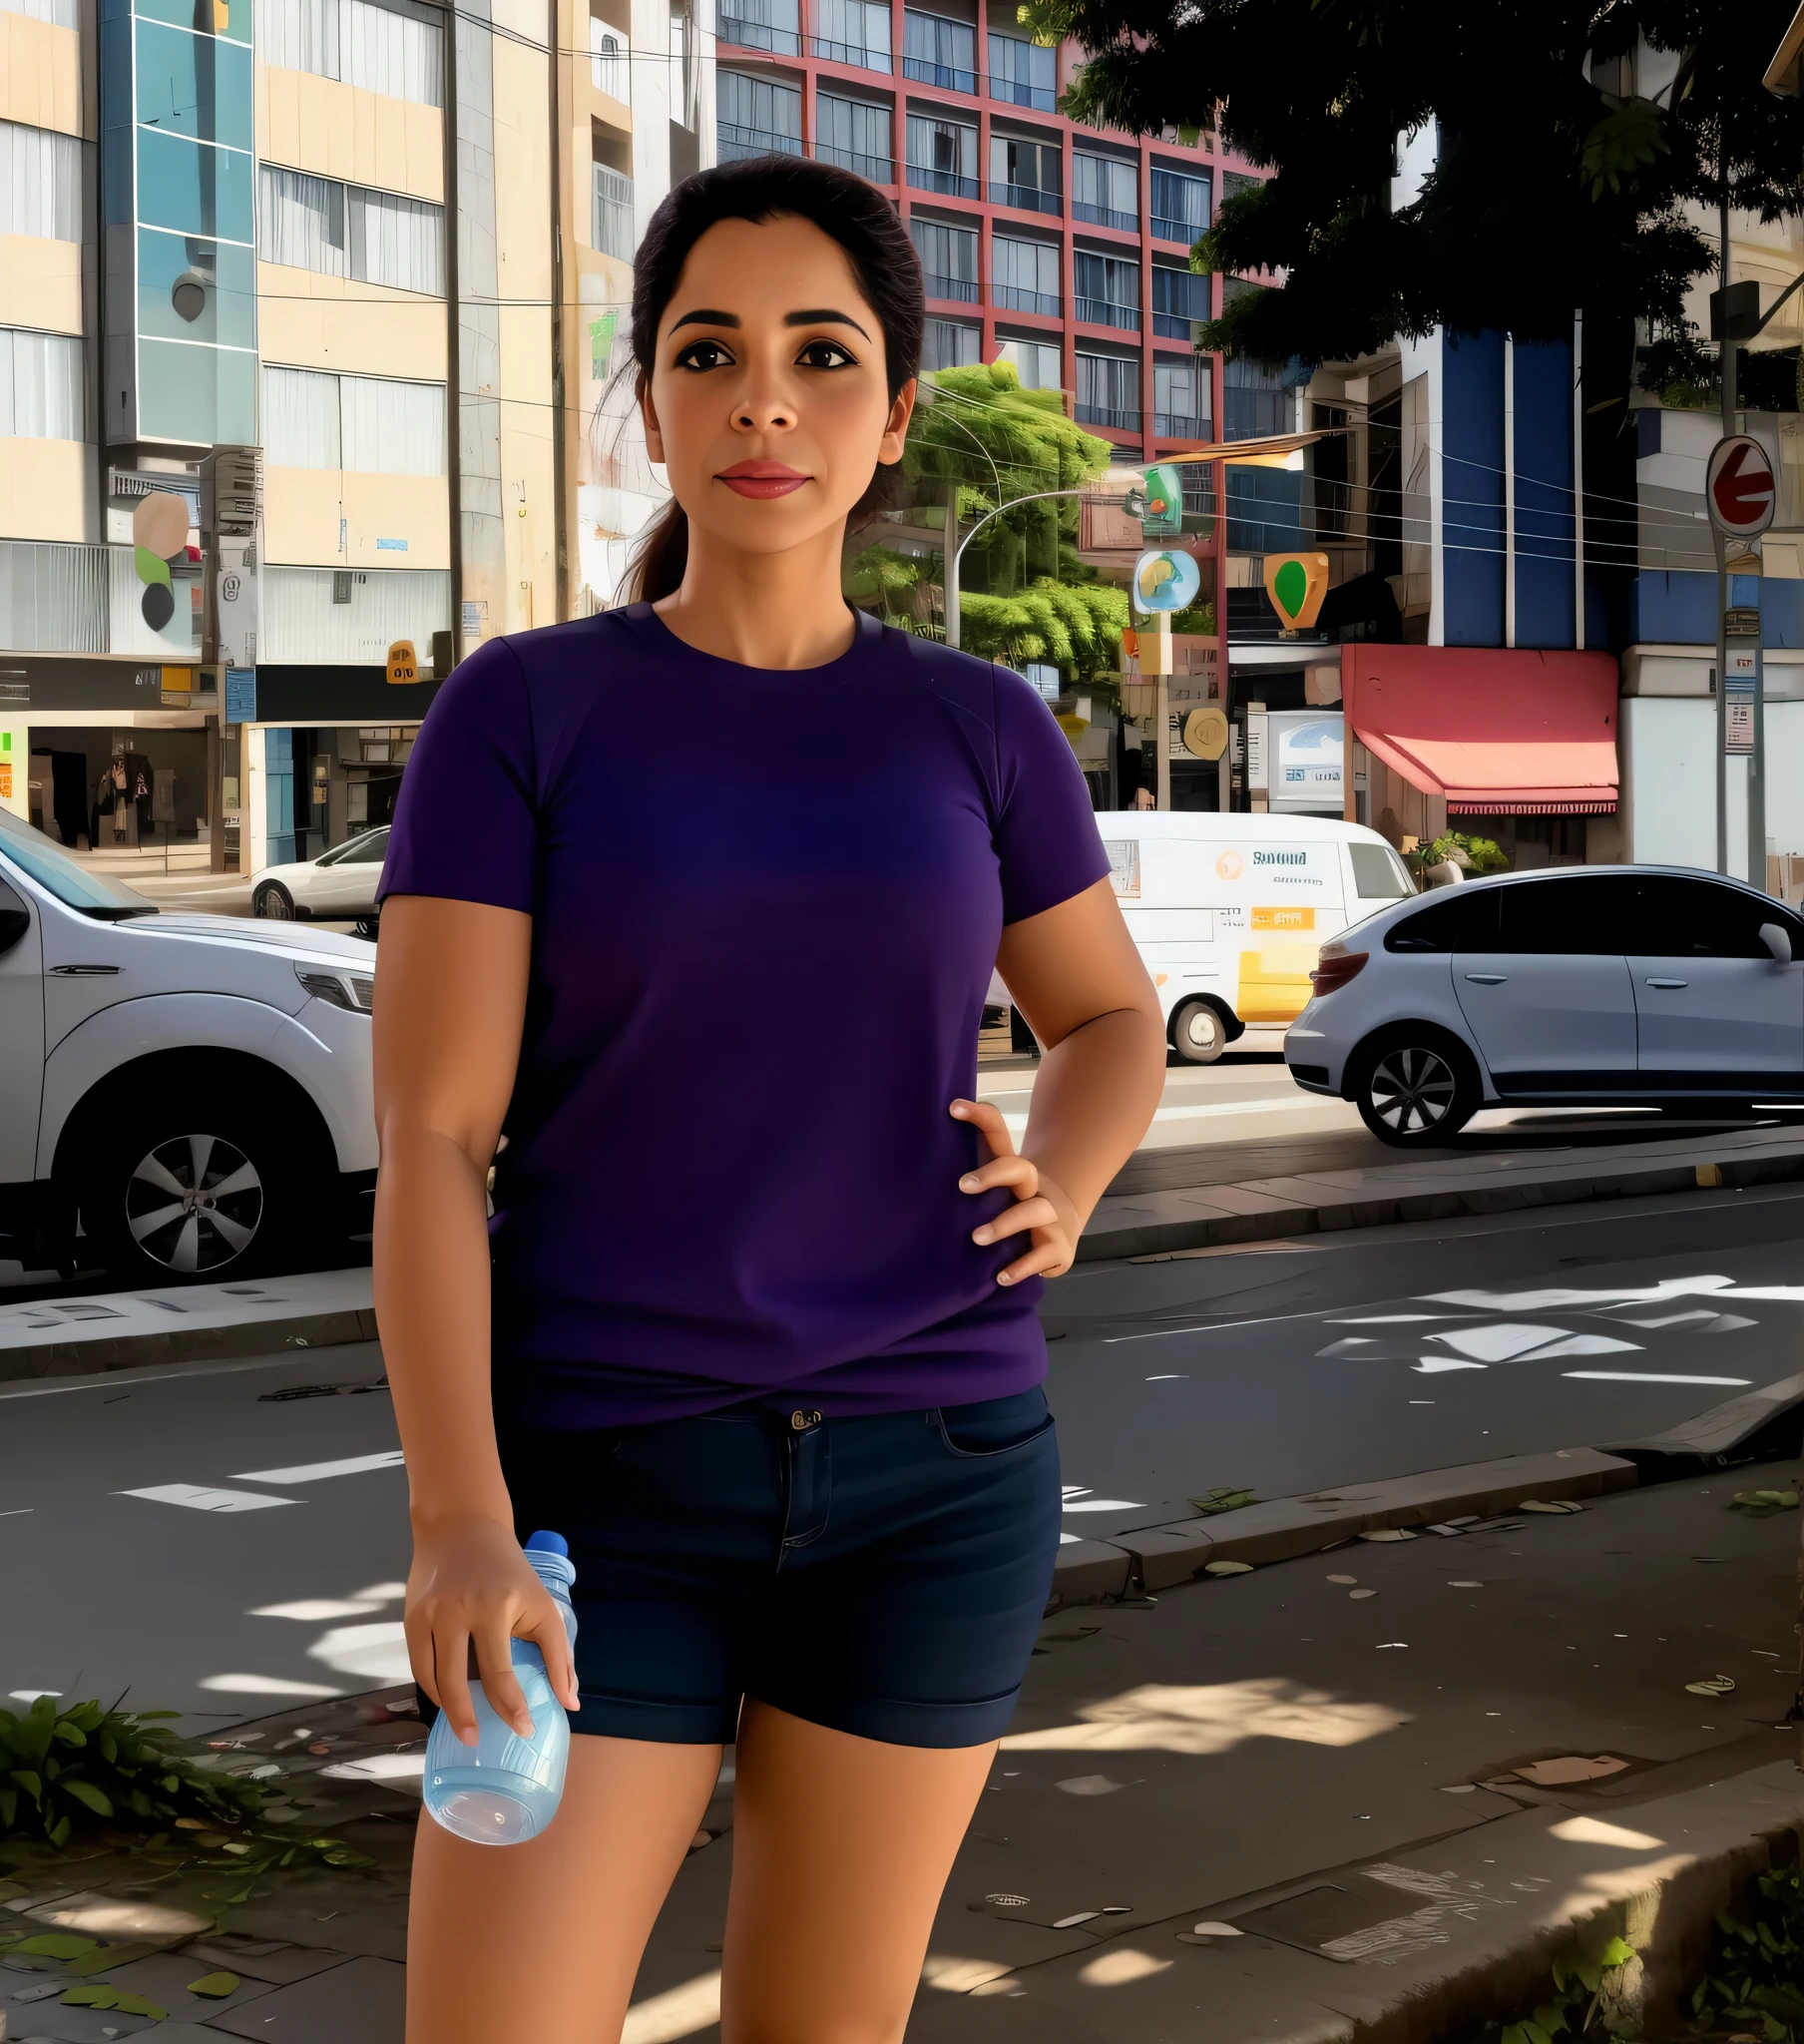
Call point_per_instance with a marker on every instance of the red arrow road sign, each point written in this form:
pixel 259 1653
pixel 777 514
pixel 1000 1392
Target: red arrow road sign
pixel 1739 488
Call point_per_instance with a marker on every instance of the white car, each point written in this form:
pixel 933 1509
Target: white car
pixel 337 886
pixel 182 1096
pixel 1578 987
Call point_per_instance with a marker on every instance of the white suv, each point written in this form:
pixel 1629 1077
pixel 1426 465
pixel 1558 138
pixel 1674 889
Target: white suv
pixel 1580 987
pixel 182 1096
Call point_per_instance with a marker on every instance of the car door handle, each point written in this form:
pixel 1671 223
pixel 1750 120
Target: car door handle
pixel 82 971
pixel 1487 978
pixel 1669 983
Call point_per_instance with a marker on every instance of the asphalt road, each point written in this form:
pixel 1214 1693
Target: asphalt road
pixel 1367 1356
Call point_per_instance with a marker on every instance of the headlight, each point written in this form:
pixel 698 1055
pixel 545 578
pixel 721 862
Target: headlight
pixel 354 990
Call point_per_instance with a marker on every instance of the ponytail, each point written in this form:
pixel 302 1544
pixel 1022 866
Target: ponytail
pixel 660 557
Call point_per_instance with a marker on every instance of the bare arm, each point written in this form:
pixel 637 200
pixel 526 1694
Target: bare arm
pixel 451 980
pixel 1074 974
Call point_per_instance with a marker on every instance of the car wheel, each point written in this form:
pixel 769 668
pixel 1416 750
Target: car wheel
pixel 1199 1033
pixel 197 1192
pixel 274 900
pixel 1415 1091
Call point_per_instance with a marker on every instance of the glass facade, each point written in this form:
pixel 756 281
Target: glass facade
pixel 178 177
pixel 1023 74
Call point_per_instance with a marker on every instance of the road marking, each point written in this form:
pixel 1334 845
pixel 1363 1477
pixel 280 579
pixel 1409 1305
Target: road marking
pixel 1105 1504
pixel 313 1472
pixel 1643 1376
pixel 203 1498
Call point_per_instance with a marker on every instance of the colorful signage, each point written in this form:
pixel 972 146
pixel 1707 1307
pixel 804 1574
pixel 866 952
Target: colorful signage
pixel 1166 580
pixel 1296 584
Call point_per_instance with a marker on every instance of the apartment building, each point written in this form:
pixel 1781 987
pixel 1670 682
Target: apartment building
pixel 385 243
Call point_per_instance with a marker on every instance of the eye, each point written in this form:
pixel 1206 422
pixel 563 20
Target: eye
pixel 704 355
pixel 826 354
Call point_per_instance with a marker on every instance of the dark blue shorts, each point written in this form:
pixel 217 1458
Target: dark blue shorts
pixel 882 1576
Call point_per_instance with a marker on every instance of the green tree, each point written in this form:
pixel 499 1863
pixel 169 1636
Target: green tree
pixel 1075 627
pixel 1550 194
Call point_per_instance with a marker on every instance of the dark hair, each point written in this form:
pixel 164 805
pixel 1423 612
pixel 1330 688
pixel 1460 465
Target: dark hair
pixel 844 207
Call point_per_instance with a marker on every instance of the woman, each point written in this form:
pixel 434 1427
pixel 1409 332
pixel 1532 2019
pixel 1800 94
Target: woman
pixel 754 1323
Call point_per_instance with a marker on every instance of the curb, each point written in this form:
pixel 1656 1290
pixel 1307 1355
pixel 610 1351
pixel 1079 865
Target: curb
pixel 185 1345
pixel 1160 1557
pixel 1212 1217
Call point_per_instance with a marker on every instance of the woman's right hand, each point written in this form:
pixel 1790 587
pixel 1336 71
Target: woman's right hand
pixel 471 1587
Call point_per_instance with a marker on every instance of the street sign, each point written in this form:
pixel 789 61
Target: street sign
pixel 1163 515
pixel 1739 489
pixel 1296 584
pixel 1206 733
pixel 403 663
pixel 1165 581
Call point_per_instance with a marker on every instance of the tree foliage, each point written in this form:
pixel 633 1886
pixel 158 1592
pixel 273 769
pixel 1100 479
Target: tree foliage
pixel 1075 627
pixel 1549 194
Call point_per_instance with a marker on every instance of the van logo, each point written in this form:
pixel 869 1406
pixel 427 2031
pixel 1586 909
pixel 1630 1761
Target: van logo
pixel 1280 859
pixel 1228 865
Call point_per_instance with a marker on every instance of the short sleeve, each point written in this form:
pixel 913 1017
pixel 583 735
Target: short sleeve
pixel 466 819
pixel 1047 843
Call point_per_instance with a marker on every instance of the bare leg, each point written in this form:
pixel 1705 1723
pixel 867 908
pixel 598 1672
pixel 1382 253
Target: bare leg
pixel 543 1940
pixel 841 1847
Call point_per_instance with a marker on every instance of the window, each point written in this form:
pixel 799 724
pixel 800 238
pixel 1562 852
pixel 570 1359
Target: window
pixel 1456 921
pixel 1026 174
pixel 302 626
pixel 855 136
pixel 1181 205
pixel 610 61
pixel 941 157
pixel 400 51
pixel 1234 182
pixel 757 117
pixel 1109 392
pixel 1180 297
pixel 53 598
pixel 949 344
pixel 1023 74
pixel 1035 363
pixel 59 13
pixel 1701 919
pixel 938 51
pixel 226 273
pixel 72 885
pixel 1253 400
pixel 611 213
pixel 302 420
pixel 1181 400
pixel 1379 874
pixel 198 86
pixel 1107 291
pixel 1104 192
pixel 1025 276
pixel 391 426
pixel 1581 916
pixel 41 386
pixel 947 258
pixel 348 230
pixel 773 25
pixel 852 32
pixel 193 186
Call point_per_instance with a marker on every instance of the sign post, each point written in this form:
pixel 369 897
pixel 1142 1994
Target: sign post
pixel 1739 493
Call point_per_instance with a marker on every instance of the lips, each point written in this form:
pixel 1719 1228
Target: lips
pixel 762 479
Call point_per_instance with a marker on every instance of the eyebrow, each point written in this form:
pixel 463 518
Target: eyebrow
pixel 825 316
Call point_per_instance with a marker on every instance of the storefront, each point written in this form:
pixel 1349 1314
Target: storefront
pixel 1515 745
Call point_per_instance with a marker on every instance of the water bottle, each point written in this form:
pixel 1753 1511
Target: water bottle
pixel 505 1789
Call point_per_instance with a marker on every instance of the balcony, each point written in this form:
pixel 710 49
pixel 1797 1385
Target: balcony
pixel 1104 216
pixel 924 177
pixel 759 35
pixel 610 215
pixel 1012 299
pixel 875 170
pixel 939 51
pixel 735 145
pixel 950 77
pixel 1107 415
pixel 1173 426
pixel 1173 327
pixel 960 290
pixel 1028 198
pixel 1012 93
pixel 1105 312
pixel 855 54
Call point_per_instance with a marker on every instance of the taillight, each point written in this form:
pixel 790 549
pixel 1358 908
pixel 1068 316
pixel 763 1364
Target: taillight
pixel 1335 967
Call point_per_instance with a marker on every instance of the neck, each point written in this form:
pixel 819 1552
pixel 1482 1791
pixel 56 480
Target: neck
pixel 777 611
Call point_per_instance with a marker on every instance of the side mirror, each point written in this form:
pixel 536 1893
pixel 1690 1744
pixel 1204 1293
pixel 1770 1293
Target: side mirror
pixel 15 920
pixel 1778 941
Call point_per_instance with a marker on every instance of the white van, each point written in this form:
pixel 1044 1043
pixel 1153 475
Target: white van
pixel 1229 912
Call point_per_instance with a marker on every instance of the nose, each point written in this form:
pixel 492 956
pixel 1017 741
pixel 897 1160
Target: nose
pixel 762 410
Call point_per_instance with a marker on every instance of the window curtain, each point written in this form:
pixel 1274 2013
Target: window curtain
pixel 302 420
pixel 42 389
pixel 397 241
pixel 40 182
pixel 59 13
pixel 392 427
pixel 301 35
pixel 300 221
pixel 394 53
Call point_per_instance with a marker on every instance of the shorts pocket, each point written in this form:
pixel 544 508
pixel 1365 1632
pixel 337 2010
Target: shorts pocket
pixel 994 1426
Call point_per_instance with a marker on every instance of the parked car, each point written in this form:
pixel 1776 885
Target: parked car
pixel 182 1096
pixel 1229 910
pixel 337 886
pixel 1581 987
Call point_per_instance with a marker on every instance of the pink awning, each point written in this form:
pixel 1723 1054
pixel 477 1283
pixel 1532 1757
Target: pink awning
pixel 1498 732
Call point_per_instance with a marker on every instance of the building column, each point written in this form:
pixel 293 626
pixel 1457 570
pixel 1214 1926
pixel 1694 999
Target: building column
pixel 254 828
pixel 1147 406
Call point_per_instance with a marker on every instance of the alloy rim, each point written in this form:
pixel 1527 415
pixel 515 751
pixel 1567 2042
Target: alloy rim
pixel 1202 1028
pixel 1412 1090
pixel 277 906
pixel 194 1203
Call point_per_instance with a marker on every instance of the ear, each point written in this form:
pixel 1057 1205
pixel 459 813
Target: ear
pixel 647 411
pixel 895 432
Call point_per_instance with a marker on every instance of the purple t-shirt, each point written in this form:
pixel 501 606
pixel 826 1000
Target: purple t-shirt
pixel 765 907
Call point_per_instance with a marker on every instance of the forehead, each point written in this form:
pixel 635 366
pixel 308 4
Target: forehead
pixel 762 270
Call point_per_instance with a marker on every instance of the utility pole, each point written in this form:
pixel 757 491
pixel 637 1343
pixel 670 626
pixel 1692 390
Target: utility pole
pixel 1727 370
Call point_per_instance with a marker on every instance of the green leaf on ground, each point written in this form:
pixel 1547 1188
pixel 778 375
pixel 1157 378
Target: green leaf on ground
pixel 97 1799
pixel 114 1955
pixel 1617 1953
pixel 92 1997
pixel 1223 1499
pixel 57 1944
pixel 215 1985
pixel 135 2005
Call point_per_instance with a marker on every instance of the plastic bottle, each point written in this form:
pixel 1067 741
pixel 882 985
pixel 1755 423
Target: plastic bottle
pixel 505 1789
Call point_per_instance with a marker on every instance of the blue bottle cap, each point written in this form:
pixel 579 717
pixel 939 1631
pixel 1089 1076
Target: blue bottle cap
pixel 549 1543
